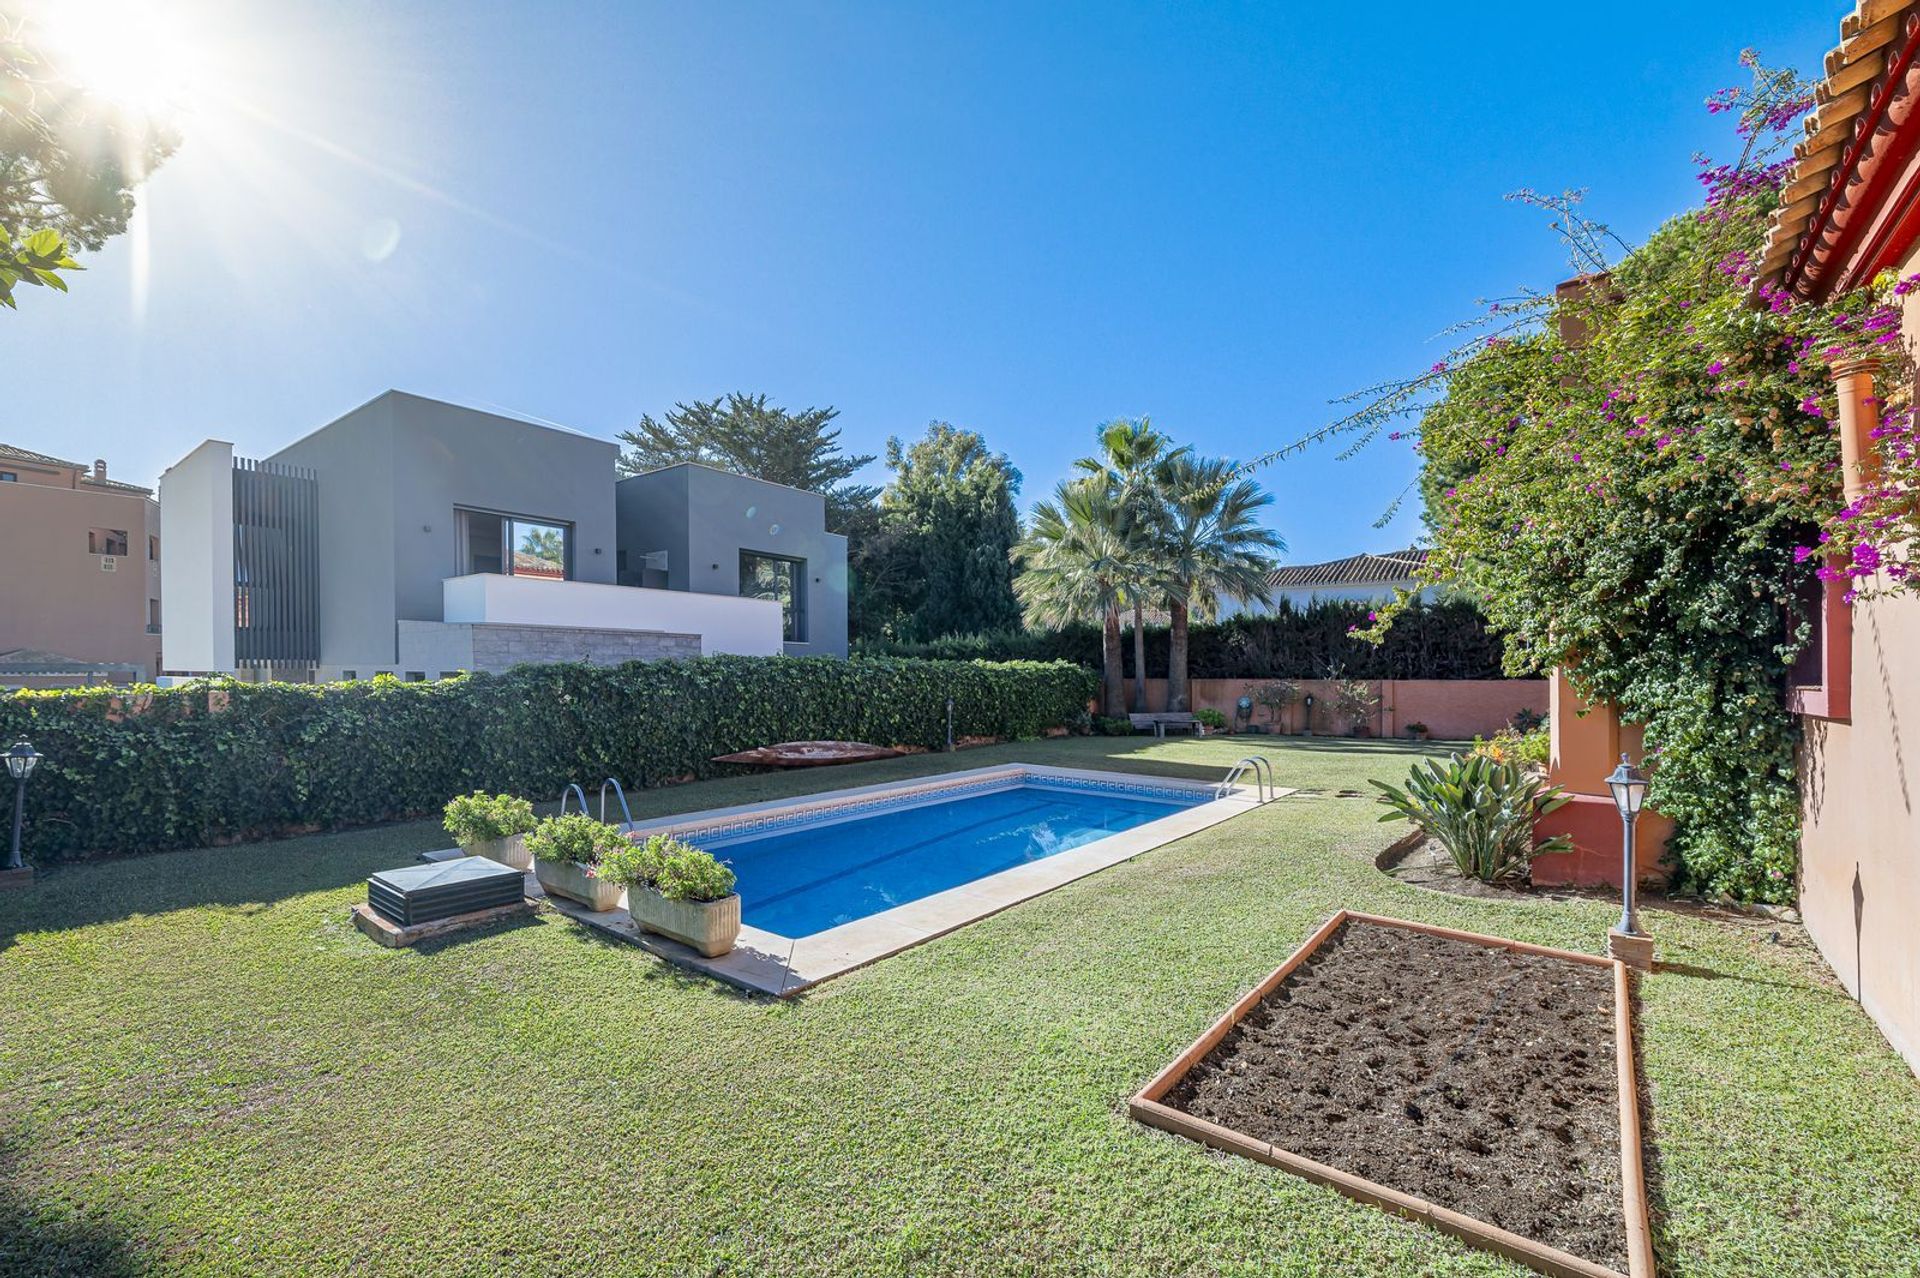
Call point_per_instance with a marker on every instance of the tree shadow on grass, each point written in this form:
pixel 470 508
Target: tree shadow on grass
pixel 43 1236
pixel 246 877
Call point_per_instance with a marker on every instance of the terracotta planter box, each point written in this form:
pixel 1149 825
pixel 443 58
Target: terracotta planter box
pixel 511 850
pixel 564 878
pixel 709 927
pixel 1150 1106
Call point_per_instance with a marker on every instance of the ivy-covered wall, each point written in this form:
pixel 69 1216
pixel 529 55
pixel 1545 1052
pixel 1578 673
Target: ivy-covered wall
pixel 169 768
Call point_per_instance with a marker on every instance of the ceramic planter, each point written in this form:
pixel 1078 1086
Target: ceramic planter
pixel 709 927
pixel 565 878
pixel 511 850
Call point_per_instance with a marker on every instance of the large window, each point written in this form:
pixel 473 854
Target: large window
pixel 518 547
pixel 784 580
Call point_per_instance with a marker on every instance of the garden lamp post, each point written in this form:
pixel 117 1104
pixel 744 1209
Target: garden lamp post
pixel 21 760
pixel 1626 941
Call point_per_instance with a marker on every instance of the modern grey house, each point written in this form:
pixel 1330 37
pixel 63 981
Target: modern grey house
pixel 420 538
pixel 692 527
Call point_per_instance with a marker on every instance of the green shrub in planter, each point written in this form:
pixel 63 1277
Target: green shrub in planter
pixel 1481 810
pixel 575 840
pixel 680 892
pixel 676 870
pixel 484 818
pixel 1210 719
pixel 569 858
pixel 1114 726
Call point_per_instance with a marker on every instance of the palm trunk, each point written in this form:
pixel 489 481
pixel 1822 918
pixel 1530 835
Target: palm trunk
pixel 1177 694
pixel 1113 688
pixel 1139 658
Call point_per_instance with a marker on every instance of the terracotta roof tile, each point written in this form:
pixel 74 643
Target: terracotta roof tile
pixel 1355 570
pixel 1825 157
pixel 11 452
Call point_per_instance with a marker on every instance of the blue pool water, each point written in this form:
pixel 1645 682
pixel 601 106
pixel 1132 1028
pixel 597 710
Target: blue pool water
pixel 799 881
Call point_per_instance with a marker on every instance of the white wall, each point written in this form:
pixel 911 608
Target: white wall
pixel 725 623
pixel 1301 596
pixel 196 561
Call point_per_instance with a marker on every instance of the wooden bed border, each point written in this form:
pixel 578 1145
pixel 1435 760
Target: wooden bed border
pixel 1147 1107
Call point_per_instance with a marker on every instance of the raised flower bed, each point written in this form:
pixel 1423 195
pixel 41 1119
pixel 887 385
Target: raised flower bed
pixel 1481 1085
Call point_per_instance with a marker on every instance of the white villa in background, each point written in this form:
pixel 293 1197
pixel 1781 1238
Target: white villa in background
pixel 1355 579
pixel 420 538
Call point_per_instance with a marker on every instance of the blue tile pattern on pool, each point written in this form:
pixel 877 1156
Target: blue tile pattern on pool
pixel 800 881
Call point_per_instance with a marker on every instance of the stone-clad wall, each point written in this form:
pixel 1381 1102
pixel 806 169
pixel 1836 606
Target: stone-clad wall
pixel 501 647
pixel 436 648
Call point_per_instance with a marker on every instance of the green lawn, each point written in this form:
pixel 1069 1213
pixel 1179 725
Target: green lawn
pixel 204 1068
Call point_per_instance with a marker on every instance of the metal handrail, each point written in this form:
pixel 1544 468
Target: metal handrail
pixel 1266 767
pixel 619 794
pixel 1233 776
pixel 573 789
pixel 1265 788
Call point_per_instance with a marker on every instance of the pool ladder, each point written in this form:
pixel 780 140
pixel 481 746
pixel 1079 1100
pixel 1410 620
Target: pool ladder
pixel 1262 770
pixel 574 792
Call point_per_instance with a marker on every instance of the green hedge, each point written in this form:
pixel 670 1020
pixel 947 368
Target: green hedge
pixel 1444 639
pixel 223 761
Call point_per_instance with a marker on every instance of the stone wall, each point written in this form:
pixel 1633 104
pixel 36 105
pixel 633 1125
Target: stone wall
pixel 438 647
pixel 501 647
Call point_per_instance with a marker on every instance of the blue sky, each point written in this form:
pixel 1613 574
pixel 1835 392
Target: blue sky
pixel 1023 219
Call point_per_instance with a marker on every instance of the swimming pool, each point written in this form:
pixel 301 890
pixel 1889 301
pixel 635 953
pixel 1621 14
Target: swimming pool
pixel 835 869
pixel 903 862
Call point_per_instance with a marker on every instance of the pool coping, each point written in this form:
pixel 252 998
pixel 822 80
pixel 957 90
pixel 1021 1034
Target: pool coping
pixel 768 963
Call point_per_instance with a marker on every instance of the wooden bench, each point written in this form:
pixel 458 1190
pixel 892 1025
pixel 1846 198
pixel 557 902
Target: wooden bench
pixel 1159 723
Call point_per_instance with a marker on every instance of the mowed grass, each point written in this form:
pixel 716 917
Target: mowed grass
pixel 205 1069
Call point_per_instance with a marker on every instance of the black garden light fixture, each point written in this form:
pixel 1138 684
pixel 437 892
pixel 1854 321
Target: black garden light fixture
pixel 1629 787
pixel 21 761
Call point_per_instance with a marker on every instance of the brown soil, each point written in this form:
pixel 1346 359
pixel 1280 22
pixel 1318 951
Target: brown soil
pixel 1475 1078
pixel 1426 864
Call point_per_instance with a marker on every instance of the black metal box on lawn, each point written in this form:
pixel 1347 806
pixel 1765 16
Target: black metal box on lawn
pixel 423 893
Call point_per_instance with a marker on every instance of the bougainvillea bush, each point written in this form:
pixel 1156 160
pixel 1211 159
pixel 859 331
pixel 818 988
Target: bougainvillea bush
pixel 1633 474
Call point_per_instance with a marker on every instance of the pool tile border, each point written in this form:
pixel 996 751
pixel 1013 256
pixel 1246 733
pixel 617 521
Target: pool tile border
pixel 767 963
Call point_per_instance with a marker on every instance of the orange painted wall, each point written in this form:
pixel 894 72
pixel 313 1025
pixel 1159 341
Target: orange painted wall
pixel 1587 744
pixel 1860 810
pixel 1452 709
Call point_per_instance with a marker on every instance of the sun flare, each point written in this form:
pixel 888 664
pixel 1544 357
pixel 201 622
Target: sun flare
pixel 139 55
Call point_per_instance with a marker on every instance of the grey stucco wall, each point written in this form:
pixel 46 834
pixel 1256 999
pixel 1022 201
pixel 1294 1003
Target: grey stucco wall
pixel 723 514
pixel 352 457
pixel 391 475
pixel 650 511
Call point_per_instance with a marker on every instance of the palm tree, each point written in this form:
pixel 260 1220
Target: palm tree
pixel 1074 567
pixel 1133 467
pixel 1209 546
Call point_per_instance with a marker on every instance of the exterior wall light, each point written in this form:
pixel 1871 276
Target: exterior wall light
pixel 1627 942
pixel 21 761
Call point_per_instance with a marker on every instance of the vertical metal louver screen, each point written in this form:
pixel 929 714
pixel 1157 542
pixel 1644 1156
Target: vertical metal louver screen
pixel 276 559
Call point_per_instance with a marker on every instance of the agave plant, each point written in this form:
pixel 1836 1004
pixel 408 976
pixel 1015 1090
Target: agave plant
pixel 1481 811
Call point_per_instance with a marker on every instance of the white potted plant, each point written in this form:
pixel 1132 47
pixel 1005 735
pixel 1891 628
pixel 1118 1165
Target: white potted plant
pixel 567 856
pixel 492 825
pixel 678 891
